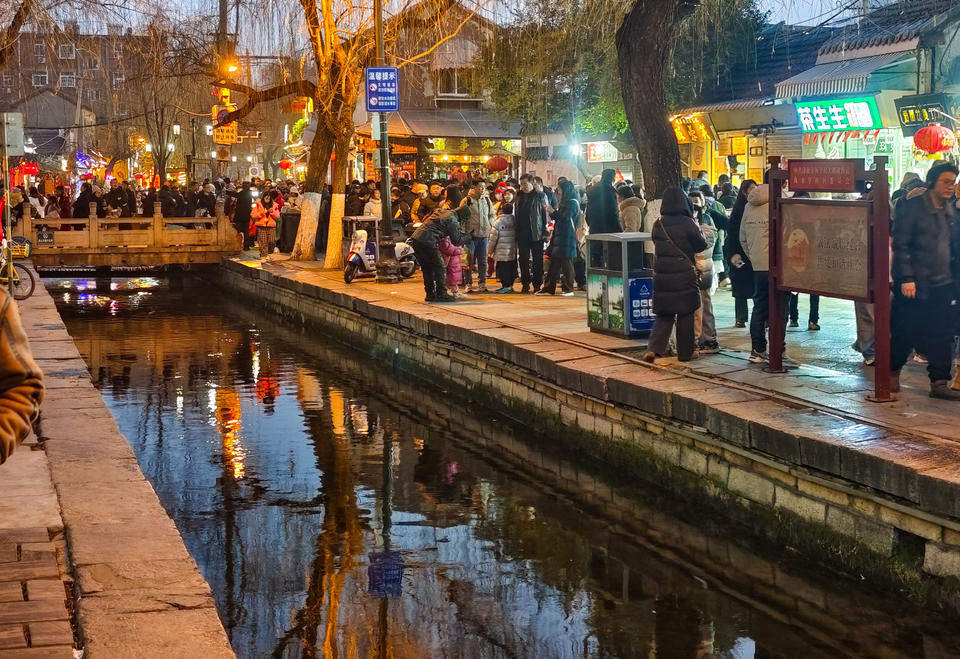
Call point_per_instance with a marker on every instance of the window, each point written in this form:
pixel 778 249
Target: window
pixel 68 80
pixel 91 63
pixel 39 53
pixel 6 80
pixel 116 81
pixel 94 95
pixel 455 82
pixel 67 51
pixel 39 79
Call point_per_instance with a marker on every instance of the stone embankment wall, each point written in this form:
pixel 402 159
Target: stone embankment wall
pixel 787 470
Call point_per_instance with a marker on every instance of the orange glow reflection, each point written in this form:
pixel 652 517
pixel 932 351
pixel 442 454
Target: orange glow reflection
pixel 228 423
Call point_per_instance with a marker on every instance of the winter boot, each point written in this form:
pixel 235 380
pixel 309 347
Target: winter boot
pixel 941 389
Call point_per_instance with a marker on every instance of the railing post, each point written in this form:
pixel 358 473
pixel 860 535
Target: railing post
pixel 93 228
pixel 158 242
pixel 224 239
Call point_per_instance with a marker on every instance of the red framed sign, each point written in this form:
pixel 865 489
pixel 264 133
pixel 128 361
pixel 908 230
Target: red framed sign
pixel 834 248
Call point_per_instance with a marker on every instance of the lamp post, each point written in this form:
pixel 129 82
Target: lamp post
pixel 388 271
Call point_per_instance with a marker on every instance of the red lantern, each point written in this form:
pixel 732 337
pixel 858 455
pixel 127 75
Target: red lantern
pixel 87 177
pixel 29 168
pixel 934 138
pixel 498 164
pixel 285 164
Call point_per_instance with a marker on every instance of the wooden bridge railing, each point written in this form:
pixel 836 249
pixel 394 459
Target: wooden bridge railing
pixel 138 240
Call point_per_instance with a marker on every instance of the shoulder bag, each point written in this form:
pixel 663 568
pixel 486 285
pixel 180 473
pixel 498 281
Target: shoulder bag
pixel 693 262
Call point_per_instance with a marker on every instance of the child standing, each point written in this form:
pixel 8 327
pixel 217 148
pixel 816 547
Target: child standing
pixel 502 247
pixel 452 257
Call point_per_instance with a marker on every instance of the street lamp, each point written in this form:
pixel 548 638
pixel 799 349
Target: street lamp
pixel 148 148
pixel 170 146
pixel 388 270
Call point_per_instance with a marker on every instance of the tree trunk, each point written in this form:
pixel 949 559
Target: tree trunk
pixel 642 54
pixel 334 257
pixel 317 163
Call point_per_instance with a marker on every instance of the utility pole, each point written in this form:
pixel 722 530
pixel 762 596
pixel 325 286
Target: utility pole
pixel 388 271
pixel 7 224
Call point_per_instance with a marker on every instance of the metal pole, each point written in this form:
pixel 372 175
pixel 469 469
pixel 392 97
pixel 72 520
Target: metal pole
pixel 880 280
pixel 388 271
pixel 777 318
pixel 7 223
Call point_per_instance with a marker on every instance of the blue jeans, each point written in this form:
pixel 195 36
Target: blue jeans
pixel 478 259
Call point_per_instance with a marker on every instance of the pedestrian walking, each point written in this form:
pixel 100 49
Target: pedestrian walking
pixel 502 248
pixel 741 270
pixel 562 249
pixel 676 289
pixel 926 271
pixel 603 213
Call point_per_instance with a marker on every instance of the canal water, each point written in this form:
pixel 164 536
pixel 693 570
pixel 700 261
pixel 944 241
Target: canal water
pixel 341 509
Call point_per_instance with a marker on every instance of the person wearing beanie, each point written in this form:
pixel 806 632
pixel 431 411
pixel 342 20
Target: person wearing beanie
pixel 926 271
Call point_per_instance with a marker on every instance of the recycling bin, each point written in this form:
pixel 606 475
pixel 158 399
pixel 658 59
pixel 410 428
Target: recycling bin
pixel 619 284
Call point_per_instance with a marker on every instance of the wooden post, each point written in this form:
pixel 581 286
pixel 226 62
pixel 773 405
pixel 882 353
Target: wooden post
pixel 158 233
pixel 880 280
pixel 226 236
pixel 27 224
pixel 93 227
pixel 777 313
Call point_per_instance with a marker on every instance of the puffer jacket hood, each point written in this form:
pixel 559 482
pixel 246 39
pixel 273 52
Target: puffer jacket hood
pixel 759 195
pixel 675 202
pixel 755 228
pixel 631 213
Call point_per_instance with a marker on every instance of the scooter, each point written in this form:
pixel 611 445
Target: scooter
pixel 362 260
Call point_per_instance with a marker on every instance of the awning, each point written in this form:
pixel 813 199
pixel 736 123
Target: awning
pixel 738 104
pixel 447 123
pixel 456 53
pixel 843 77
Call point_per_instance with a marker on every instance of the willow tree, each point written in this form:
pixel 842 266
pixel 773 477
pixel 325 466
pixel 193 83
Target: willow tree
pixel 340 42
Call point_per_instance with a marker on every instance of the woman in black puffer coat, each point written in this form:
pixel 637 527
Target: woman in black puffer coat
pixel 676 296
pixel 741 277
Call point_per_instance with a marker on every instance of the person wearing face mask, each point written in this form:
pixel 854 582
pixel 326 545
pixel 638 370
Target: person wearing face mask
pixel 530 218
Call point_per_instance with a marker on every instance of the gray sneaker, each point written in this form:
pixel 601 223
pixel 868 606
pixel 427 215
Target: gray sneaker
pixel 757 357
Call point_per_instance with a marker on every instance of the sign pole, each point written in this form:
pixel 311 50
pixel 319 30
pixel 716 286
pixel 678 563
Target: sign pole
pixel 388 270
pixel 776 319
pixel 880 280
pixel 7 222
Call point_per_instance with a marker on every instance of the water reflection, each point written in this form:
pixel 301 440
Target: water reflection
pixel 338 511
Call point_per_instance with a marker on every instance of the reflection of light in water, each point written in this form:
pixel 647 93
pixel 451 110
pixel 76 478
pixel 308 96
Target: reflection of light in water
pixel 418 444
pixel 227 402
pixel 336 410
pixel 114 307
pixel 358 414
pixel 212 399
pixel 66 297
pixel 256 364
pixel 114 286
pixel 179 403
pixel 743 648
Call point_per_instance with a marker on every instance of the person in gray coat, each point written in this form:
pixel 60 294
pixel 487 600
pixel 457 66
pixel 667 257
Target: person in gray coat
pixel 502 247
pixel 479 224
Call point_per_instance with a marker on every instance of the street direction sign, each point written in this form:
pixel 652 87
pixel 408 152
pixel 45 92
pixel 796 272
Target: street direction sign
pixel 382 88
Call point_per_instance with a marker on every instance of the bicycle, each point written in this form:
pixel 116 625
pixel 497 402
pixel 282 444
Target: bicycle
pixel 23 281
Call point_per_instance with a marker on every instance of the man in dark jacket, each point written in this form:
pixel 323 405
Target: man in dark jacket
pixel 241 217
pixel 530 217
pixel 426 239
pixel 603 212
pixel 116 198
pixel 926 272
pixel 426 205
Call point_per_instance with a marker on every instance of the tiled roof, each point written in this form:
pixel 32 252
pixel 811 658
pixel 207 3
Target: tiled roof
pixel 844 77
pixel 896 22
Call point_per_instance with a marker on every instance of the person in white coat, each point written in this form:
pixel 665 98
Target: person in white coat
pixel 755 237
pixel 502 248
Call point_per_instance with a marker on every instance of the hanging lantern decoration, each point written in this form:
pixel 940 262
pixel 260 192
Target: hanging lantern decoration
pixel 935 138
pixel 285 164
pixel 498 164
pixel 29 168
pixel 88 176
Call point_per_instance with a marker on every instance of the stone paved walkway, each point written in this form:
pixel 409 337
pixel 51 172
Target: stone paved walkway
pixel 832 376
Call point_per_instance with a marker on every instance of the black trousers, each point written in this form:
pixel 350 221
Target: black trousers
pixel 761 310
pixel 434 269
pixel 814 316
pixel 741 310
pixel 531 263
pixel 557 266
pixel 663 327
pixel 506 273
pixel 926 326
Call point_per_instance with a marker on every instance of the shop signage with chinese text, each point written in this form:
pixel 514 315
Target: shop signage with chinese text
pixel 823 175
pixel 842 114
pixel 918 110
pixel 691 128
pixel 601 152
pixel 226 134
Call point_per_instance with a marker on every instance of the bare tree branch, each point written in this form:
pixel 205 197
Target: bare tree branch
pixel 256 96
pixel 12 33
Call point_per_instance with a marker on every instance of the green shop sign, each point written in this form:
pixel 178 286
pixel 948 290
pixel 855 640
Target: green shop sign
pixel 840 114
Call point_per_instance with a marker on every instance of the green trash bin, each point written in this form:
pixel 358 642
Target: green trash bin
pixel 619 284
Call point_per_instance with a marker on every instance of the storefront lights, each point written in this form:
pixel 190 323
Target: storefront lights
pixel 213 154
pixel 249 158
pixel 209 129
pixel 170 146
pixel 234 159
pixel 148 148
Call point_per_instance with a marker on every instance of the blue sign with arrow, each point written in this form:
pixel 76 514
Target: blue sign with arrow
pixel 383 88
